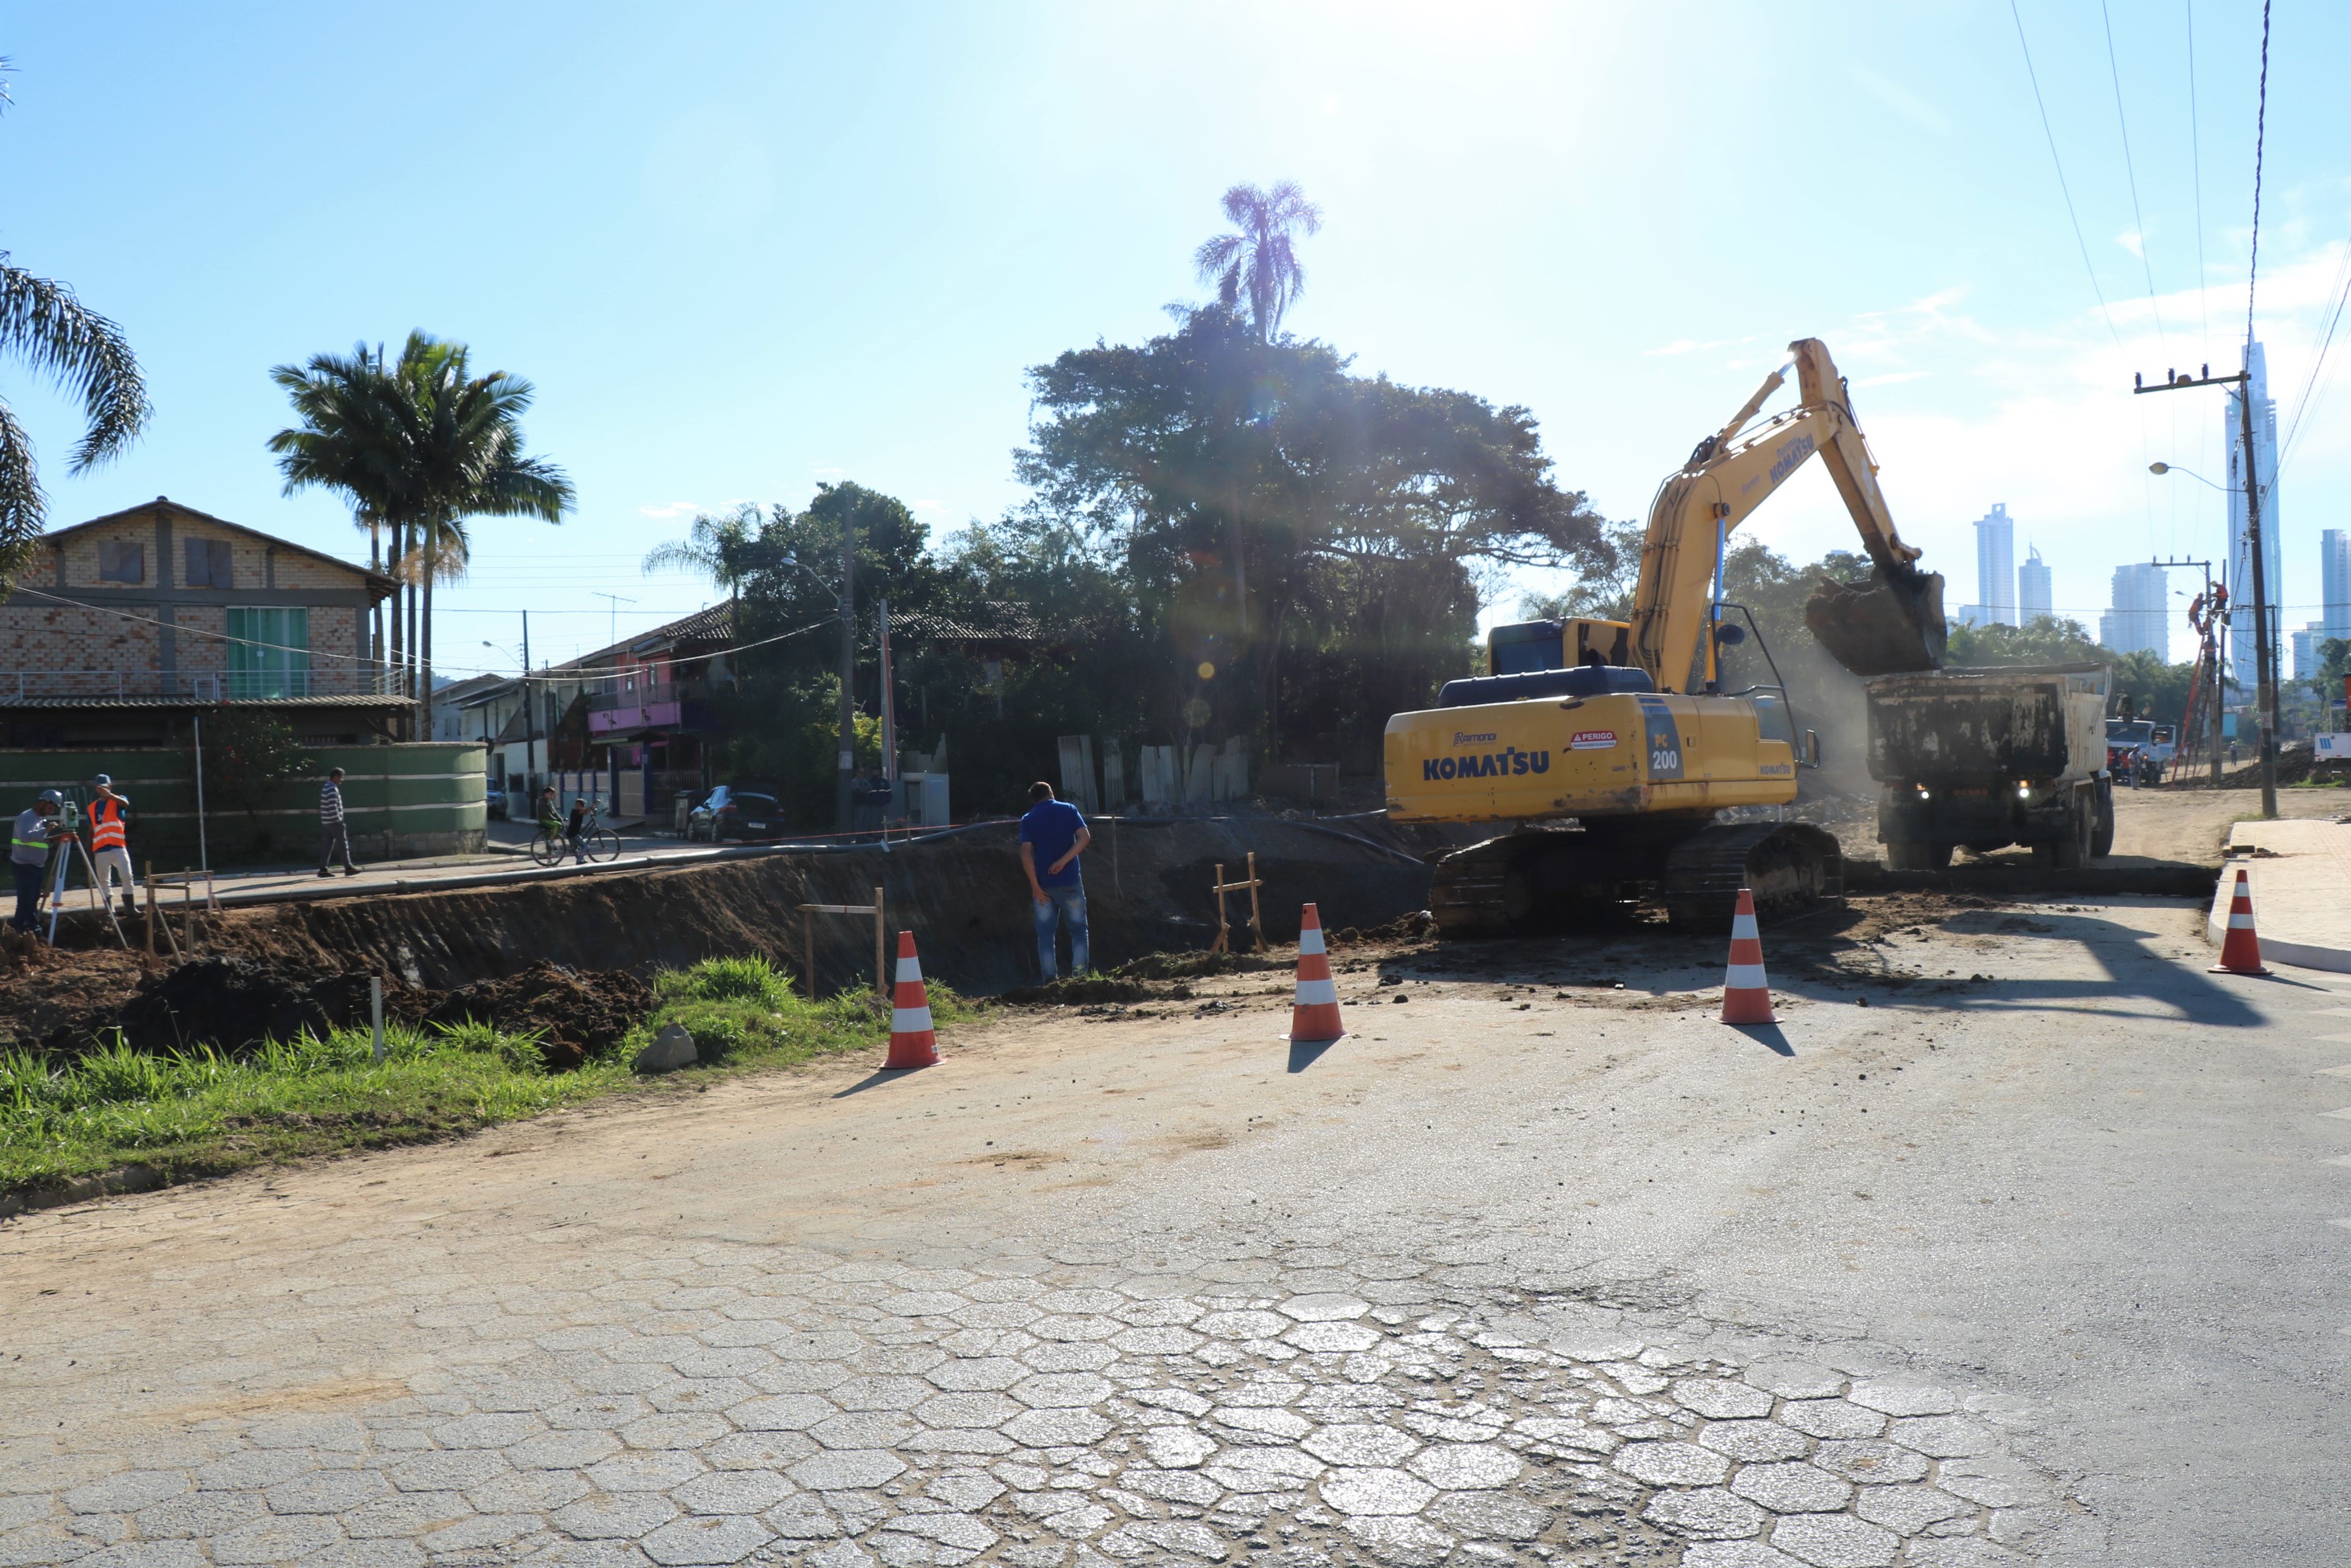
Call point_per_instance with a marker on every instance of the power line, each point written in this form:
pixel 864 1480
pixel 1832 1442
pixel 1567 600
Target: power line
pixel 2261 136
pixel 2066 191
pixel 2130 170
pixel 2195 177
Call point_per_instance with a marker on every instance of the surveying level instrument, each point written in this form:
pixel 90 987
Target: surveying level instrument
pixel 69 812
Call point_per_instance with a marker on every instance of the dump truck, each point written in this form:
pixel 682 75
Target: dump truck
pixel 1985 757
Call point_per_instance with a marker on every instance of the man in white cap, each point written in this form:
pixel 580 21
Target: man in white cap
pixel 109 843
pixel 37 828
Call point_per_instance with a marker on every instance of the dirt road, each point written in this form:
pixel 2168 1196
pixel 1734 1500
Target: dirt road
pixel 1520 1272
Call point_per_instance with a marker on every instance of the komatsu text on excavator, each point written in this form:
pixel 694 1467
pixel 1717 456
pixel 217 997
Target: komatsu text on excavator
pixel 1608 747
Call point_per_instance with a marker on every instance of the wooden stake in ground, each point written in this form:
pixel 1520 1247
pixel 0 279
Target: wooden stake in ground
pixel 809 912
pixel 1223 943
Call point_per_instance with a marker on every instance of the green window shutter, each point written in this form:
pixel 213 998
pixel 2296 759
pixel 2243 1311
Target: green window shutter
pixel 270 657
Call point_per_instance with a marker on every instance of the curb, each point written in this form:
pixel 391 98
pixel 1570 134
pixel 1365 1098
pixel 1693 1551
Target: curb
pixel 2274 949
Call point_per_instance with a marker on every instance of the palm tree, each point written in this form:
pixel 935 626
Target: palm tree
pixel 44 325
pixel 1260 262
pixel 711 547
pixel 420 448
pixel 351 440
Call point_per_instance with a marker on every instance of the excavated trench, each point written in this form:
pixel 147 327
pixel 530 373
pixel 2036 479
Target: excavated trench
pixel 273 970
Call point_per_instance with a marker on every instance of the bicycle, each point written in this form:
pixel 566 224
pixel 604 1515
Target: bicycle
pixel 598 844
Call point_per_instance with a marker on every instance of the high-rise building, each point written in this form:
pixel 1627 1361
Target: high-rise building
pixel 2140 621
pixel 2307 644
pixel 2263 464
pixel 1996 566
pixel 2035 599
pixel 2335 582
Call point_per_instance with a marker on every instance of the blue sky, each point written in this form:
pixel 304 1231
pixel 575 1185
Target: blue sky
pixel 740 248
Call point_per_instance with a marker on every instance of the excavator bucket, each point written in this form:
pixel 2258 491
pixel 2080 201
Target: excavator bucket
pixel 1889 622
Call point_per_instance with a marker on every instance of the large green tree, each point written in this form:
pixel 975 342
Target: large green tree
pixel 420 446
pixel 1235 480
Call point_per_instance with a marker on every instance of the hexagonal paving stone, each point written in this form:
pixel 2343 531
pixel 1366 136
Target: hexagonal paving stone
pixel 198 1513
pixel 1831 1418
pixel 1402 1543
pixel 1551 1429
pixel 482 1532
pixel 1242 1324
pixel 451 1472
pixel 1792 1488
pixel 1063 1390
pixel 562 1450
pixel 495 1431
pixel 1493 1515
pixel 1360 1445
pixel 1333 1338
pixel 1268 1423
pixel 1945 1437
pixel 1869 1462
pixel 1263 1470
pixel 969 1492
pixel 327 1491
pixel 607 1411
pixel 1735 1554
pixel 1705 1514
pixel 410 1514
pixel 1375 1492
pixel 977 1373
pixel 614 1515
pixel 759 1450
pixel 1835 1541
pixel 1075 1326
pixel 1184 1538
pixel 1907 1510
pixel 1324 1308
pixel 706 1540
pixel 1754 1442
pixel 1181 1400
pixel 844 1469
pixel 1056 1429
pixel 1156 1341
pixel 1994 1480
pixel 127 1491
pixel 1903 1398
pixel 1672 1464
pixel 275 1539
pixel 657 1470
pixel 1719 1399
pixel 529 1492
pixel 1465 1467
pixel 968 1410
pixel 733 1491
pixel 782 1413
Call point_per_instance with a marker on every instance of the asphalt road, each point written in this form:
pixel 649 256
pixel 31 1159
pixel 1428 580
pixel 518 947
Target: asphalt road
pixel 2038 1255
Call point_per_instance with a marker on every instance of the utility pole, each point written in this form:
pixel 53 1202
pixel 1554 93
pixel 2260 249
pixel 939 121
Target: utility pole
pixel 842 818
pixel 529 719
pixel 2265 690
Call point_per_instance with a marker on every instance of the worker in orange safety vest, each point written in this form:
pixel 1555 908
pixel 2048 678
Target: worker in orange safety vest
pixel 109 843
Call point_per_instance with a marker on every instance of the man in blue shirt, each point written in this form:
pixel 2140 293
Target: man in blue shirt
pixel 1053 836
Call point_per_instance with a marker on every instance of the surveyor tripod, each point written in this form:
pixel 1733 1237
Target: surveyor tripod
pixel 66 852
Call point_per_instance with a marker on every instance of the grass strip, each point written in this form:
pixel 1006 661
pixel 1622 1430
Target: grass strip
pixel 203 1113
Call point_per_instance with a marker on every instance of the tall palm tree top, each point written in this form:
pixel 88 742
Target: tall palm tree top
pixel 1259 263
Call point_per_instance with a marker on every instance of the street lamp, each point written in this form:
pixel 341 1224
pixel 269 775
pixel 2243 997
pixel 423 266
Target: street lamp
pixel 2160 468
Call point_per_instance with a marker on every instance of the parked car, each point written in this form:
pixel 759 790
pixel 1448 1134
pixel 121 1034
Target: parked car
pixel 739 811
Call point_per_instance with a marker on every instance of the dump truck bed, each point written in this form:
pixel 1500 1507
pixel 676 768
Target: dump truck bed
pixel 2011 722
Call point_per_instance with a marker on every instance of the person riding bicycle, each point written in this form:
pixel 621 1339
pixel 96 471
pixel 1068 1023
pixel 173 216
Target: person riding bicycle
pixel 550 814
pixel 575 830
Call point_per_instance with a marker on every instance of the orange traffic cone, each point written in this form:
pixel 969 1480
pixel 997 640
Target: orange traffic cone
pixel 1746 994
pixel 912 1041
pixel 2240 949
pixel 1314 1016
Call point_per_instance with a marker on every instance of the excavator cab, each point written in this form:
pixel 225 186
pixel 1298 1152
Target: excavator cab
pixel 1525 647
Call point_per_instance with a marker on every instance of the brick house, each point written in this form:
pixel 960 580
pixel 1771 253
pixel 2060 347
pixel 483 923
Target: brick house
pixel 120 626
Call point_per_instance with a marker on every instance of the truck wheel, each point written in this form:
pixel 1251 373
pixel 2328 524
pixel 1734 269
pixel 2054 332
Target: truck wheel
pixel 1917 854
pixel 2101 827
pixel 2072 851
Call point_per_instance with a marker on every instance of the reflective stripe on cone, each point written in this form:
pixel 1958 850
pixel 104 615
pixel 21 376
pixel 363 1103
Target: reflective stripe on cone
pixel 912 1041
pixel 1314 1015
pixel 1746 994
pixel 2241 947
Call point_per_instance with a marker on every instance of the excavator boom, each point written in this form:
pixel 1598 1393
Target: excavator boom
pixel 1893 622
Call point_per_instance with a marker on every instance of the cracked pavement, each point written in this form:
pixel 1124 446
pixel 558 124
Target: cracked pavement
pixel 1596 1281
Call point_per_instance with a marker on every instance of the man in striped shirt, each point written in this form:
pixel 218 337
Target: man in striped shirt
pixel 334 837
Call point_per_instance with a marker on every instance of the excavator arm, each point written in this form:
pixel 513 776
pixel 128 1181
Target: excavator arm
pixel 1894 621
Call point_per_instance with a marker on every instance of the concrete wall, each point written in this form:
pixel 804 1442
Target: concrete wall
pixel 413 800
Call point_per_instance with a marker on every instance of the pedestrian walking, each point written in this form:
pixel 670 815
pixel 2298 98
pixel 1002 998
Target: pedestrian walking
pixel 334 833
pixel 575 831
pixel 37 827
pixel 109 843
pixel 1053 836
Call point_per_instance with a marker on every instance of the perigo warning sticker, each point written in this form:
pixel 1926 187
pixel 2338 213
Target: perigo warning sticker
pixel 1592 740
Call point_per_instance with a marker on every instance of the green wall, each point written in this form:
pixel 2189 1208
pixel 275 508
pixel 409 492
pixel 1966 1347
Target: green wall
pixel 427 796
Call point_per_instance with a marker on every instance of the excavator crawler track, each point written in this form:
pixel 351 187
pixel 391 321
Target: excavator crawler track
pixel 1791 868
pixel 1517 882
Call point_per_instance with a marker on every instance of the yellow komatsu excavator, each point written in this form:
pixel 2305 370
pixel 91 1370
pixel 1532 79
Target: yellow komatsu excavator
pixel 1609 747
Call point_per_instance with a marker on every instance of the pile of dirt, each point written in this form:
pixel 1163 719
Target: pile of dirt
pixel 234 1004
pixel 575 1013
pixel 2296 765
pixel 51 995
